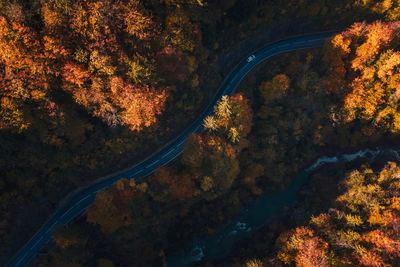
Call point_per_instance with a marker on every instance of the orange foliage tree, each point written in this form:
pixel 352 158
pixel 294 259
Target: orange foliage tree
pixel 364 71
pixel 362 229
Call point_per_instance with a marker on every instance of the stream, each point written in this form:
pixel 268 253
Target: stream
pixel 265 208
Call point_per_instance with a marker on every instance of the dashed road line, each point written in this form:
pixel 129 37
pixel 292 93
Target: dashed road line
pixel 197 127
pixel 34 245
pixel 169 152
pixel 77 203
pixel 152 164
pixel 180 143
pixel 68 211
pixel 53 224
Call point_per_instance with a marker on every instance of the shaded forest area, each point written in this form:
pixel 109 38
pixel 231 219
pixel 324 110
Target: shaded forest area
pixel 302 105
pixel 90 86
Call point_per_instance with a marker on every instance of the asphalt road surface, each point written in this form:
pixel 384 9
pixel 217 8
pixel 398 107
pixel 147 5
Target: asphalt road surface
pixel 83 199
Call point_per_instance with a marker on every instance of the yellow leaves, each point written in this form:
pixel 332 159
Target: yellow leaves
pixel 393 13
pixel 373 98
pixel 389 173
pixel 201 2
pixel 8 103
pixel 101 63
pixel 206 183
pixel 116 85
pixel 138 72
pixel 138 24
pixel 182 31
pixel 223 108
pixel 321 221
pixel 298 237
pixel 370 258
pixel 232 118
pixel 386 112
pixel 378 35
pixel 386 5
pixel 378 217
pixel 368 73
pixel 81 55
pixel 214 143
pixel 374 68
pixel 359 196
pixel 359 250
pixel 79 22
pixel 353 220
pixel 395 203
pixel 388 65
pixel 347 238
pixel 303 247
pixel 11 115
pixel 394 83
pixel 37 94
pixel 339 42
pixel 51 17
pixel 210 123
pixel 396 122
pixel 284 257
pixel 371 198
pixel 389 117
pixel 233 135
pixel 141 106
pixel 254 263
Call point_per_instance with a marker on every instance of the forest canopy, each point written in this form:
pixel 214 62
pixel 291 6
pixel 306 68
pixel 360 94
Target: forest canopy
pixel 360 229
pixel 90 87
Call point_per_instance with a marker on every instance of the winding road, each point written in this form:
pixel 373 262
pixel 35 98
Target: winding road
pixel 83 199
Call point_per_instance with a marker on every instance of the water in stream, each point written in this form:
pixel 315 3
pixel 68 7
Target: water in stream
pixel 266 207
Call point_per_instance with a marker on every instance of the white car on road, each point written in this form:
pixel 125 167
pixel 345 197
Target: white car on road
pixel 250 58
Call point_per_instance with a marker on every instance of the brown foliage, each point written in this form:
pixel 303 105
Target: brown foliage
pixel 172 64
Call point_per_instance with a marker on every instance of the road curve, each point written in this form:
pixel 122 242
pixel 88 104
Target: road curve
pixel 80 201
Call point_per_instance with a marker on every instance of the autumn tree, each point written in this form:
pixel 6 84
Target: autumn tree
pixel 275 88
pixel 366 53
pixel 232 118
pixel 110 207
pixel 362 227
